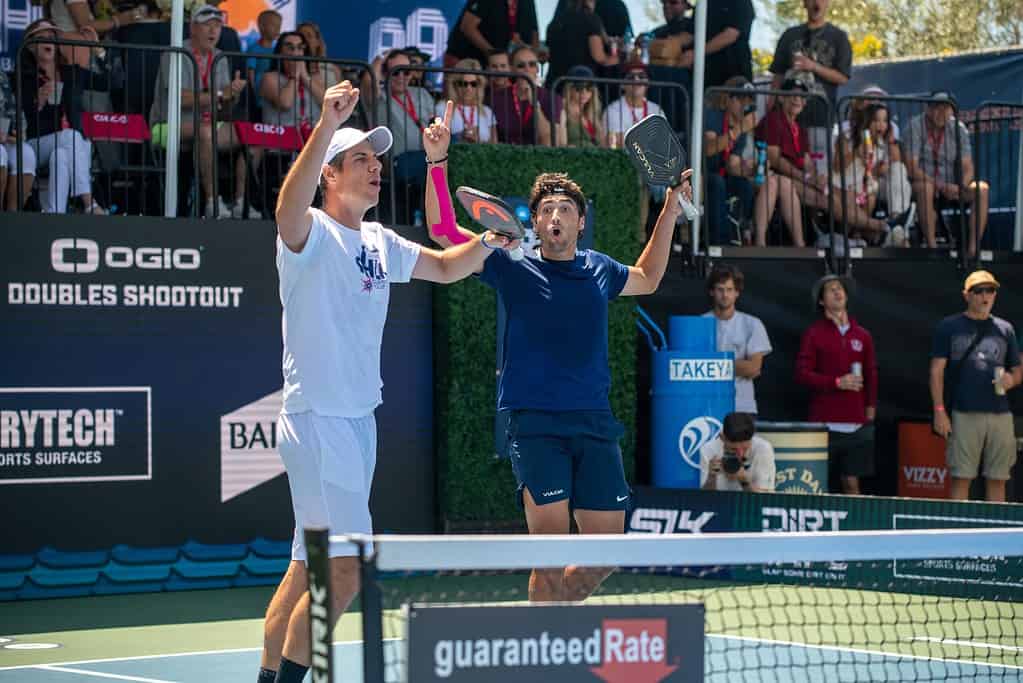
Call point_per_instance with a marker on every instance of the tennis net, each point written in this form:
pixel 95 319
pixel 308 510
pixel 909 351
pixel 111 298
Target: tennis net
pixel 927 605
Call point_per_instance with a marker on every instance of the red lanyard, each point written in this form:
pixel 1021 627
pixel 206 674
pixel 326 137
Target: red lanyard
pixel 204 74
pixel 409 107
pixel 591 130
pixel 523 118
pixel 513 15
pixel 794 130
pixel 633 111
pixel 470 120
pixel 728 147
pixel 936 140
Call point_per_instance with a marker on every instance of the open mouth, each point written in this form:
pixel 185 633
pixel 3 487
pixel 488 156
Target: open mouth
pixel 556 232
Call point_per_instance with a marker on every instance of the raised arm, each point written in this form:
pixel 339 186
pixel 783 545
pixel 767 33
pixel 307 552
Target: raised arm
pixel 471 251
pixel 293 214
pixel 443 229
pixel 645 276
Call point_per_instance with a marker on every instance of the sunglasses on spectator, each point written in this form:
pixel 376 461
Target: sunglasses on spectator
pixel 467 84
pixel 582 86
pixel 532 64
pixel 984 290
pixel 638 77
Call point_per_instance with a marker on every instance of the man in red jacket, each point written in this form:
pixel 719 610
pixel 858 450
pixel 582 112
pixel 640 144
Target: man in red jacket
pixel 836 361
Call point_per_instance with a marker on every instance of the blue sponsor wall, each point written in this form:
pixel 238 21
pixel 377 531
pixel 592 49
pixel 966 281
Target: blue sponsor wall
pixel 135 355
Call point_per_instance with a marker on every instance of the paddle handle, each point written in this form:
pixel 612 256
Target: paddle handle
pixel 689 209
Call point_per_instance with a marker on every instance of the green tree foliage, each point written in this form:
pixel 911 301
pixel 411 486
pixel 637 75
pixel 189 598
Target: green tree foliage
pixel 916 27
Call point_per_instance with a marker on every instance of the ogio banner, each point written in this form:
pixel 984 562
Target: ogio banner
pixel 556 643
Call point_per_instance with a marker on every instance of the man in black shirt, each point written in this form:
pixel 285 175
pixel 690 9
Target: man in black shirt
pixel 575 37
pixel 728 28
pixel 817 53
pixel 486 25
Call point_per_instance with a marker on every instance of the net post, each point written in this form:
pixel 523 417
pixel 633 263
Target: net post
pixel 372 613
pixel 320 631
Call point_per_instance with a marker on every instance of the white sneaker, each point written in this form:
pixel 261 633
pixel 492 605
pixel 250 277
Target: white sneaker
pixel 223 209
pixel 252 214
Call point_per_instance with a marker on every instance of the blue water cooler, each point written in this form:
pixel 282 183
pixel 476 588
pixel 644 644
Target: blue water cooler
pixel 692 389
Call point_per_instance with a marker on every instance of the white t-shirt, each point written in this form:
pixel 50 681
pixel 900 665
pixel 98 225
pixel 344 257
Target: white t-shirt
pixel 744 335
pixel 463 115
pixel 335 294
pixel 620 116
pixel 761 470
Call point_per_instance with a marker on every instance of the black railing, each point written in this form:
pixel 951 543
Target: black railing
pixel 109 109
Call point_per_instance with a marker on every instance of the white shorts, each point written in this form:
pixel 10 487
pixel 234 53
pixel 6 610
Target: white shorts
pixel 330 463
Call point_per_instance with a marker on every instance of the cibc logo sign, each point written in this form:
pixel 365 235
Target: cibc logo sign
pixel 563 643
pixel 81 255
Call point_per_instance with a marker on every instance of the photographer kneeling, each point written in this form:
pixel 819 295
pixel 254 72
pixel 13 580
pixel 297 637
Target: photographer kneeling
pixel 737 460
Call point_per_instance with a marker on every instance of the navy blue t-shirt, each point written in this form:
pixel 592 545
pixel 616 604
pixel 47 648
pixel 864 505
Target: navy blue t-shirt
pixel 555 339
pixel 974 392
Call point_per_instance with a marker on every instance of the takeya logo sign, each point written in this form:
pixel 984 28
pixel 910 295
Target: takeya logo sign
pixel 618 651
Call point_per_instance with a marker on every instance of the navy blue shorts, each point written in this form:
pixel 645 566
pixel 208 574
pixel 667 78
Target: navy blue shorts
pixel 569 455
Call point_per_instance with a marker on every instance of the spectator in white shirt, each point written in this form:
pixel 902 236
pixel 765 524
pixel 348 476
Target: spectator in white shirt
pixel 631 107
pixel 737 460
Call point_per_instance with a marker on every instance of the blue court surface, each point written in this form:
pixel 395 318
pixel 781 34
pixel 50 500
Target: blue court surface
pixel 757 659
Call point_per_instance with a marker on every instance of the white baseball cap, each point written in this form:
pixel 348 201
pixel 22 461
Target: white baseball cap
pixel 346 138
pixel 204 13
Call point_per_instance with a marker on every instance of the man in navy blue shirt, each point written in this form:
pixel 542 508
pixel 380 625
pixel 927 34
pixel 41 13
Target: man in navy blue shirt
pixel 562 436
pixel 974 362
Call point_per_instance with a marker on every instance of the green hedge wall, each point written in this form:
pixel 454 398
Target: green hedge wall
pixel 475 489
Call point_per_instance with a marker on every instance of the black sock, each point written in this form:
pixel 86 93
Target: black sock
pixel 266 676
pixel 290 672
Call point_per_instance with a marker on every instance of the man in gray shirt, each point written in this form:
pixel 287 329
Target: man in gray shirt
pixel 216 88
pixel 738 332
pixel 931 150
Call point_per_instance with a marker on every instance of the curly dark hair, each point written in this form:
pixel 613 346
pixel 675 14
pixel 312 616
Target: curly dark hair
pixel 724 272
pixel 556 183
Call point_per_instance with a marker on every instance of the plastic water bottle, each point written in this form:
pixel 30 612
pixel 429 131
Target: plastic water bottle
pixel 417 219
pixel 761 156
pixel 645 49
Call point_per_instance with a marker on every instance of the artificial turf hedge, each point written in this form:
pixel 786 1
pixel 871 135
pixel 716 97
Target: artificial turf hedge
pixel 475 489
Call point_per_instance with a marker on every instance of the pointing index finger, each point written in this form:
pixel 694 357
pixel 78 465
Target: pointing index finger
pixel 448 110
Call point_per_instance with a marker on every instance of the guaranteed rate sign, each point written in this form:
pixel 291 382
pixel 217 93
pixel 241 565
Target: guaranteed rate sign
pixel 556 643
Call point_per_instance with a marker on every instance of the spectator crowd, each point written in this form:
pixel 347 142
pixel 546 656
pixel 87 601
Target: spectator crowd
pixel 778 169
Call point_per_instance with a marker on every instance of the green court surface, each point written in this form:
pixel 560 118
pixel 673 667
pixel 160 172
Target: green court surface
pixel 772 633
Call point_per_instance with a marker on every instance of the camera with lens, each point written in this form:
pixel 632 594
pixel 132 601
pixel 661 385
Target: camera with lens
pixel 731 463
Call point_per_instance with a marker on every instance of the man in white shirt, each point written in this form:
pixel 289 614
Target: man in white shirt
pixel 739 332
pixel 632 107
pixel 335 276
pixel 737 460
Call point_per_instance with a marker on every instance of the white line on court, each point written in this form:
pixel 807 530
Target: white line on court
pixel 862 651
pixel 198 653
pixel 968 643
pixel 99 674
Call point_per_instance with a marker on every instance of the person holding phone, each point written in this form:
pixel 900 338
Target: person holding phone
pixel 728 147
pixel 738 460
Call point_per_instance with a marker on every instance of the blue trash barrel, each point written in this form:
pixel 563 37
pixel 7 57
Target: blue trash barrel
pixel 692 389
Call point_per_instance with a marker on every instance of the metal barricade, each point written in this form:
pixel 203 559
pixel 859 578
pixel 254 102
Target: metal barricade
pixel 406 168
pixel 997 143
pixel 97 127
pixel 903 183
pixel 264 136
pixel 767 166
